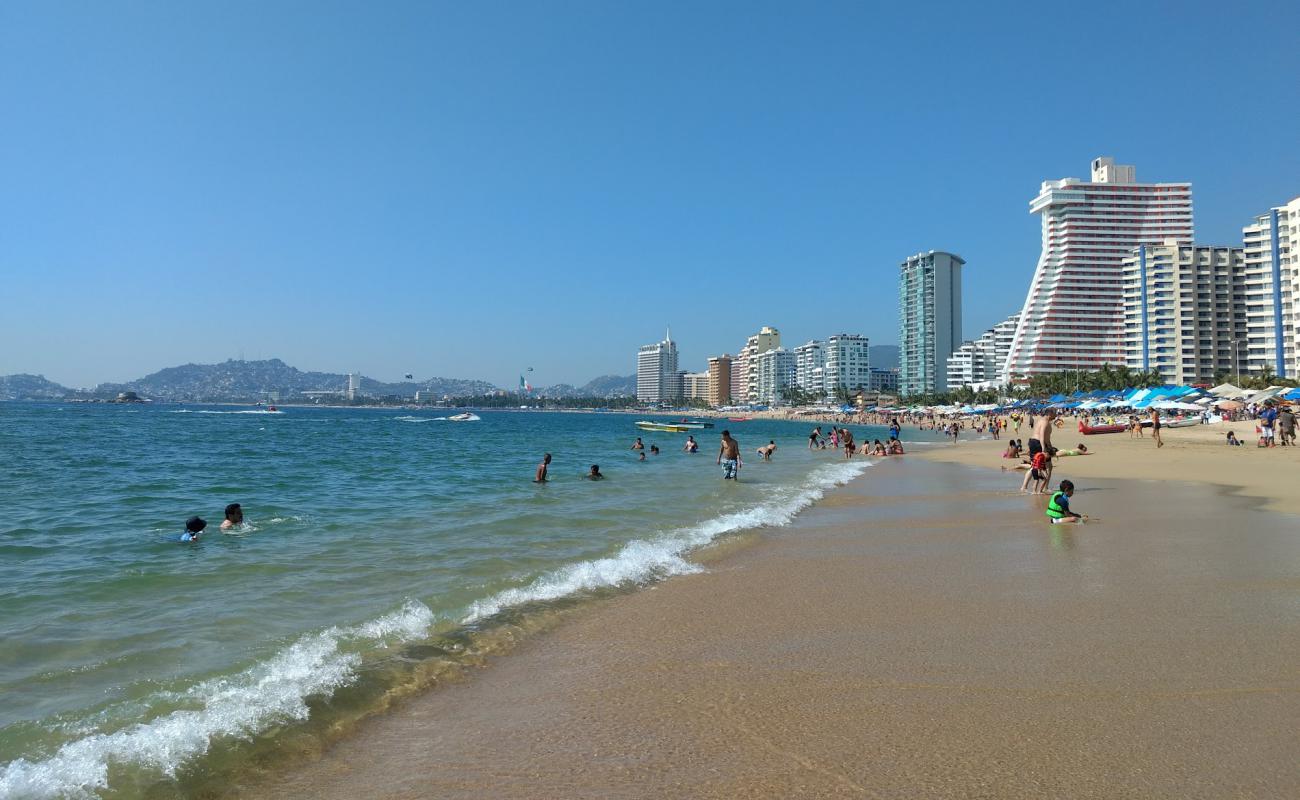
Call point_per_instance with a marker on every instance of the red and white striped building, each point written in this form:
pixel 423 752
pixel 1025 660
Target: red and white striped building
pixel 1073 317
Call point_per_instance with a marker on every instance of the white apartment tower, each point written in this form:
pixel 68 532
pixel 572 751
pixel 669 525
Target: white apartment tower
pixel 979 363
pixel 848 363
pixel 1180 311
pixel 657 379
pixel 1271 290
pixel 1073 317
pixel 810 367
pixel 929 320
pixel 745 385
pixel 775 371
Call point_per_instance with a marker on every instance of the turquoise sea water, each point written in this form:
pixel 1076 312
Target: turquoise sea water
pixel 381 550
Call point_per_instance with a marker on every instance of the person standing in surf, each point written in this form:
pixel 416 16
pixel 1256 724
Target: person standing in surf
pixel 729 456
pixel 542 468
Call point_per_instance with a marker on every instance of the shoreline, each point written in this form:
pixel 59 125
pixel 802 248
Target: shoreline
pixel 918 631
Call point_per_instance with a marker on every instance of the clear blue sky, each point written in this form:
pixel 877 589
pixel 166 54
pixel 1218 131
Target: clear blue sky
pixel 466 189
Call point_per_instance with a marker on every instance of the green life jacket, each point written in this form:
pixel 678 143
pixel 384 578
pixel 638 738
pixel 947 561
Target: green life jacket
pixel 1054 509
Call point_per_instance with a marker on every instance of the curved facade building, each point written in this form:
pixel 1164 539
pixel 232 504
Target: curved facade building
pixel 1073 317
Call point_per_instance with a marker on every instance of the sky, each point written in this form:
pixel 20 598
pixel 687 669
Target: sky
pixel 470 189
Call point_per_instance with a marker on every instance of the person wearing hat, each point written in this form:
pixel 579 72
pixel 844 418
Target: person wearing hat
pixel 193 529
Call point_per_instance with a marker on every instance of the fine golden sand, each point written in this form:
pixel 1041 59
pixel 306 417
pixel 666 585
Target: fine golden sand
pixel 921 633
pixel 1270 475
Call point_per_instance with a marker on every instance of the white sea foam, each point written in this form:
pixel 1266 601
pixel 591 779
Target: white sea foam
pixel 276 690
pixel 644 559
pixel 420 419
pixel 271 691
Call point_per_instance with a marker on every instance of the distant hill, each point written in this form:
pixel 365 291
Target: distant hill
pixel 884 356
pixel 238 381
pixel 249 381
pixel 610 386
pixel 30 387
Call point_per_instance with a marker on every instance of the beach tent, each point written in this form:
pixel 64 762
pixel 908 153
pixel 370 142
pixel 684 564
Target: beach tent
pixel 1227 390
pixel 1173 405
pixel 1294 394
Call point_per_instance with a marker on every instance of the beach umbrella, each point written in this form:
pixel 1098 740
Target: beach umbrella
pixel 1231 405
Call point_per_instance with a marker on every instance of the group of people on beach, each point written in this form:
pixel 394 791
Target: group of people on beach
pixel 196 525
pixel 843 438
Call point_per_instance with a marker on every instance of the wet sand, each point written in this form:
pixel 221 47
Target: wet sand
pixel 919 633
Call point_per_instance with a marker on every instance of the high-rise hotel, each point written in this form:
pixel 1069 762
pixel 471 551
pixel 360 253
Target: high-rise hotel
pixel 929 320
pixel 1073 317
pixel 657 379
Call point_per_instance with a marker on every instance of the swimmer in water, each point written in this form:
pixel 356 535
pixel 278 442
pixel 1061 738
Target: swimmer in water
pixel 767 450
pixel 193 529
pixel 642 458
pixel 654 449
pixel 234 517
pixel 637 445
pixel 595 475
pixel 541 469
pixel 692 446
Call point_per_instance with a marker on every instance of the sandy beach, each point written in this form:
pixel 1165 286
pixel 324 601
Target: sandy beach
pixel 920 633
pixel 1269 476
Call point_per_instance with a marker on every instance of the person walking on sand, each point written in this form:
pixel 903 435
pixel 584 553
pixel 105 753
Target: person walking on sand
pixel 729 456
pixel 541 469
pixel 1267 420
pixel 1286 426
pixel 1155 428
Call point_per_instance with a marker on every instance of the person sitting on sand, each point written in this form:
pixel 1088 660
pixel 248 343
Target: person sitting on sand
pixel 1233 441
pixel 878 448
pixel 767 450
pixel 595 475
pixel 1013 450
pixel 193 529
pixel 1058 508
pixel 895 447
pixel 234 517
pixel 692 446
pixel 542 468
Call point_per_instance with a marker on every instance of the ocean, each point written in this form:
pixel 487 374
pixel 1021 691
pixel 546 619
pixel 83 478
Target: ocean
pixel 383 551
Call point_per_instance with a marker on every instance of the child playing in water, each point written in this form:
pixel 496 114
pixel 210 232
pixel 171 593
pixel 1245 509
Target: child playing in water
pixel 1058 508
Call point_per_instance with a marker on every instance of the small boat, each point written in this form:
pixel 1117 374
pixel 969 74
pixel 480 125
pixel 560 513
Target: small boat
pixel 465 417
pixel 667 427
pixel 737 419
pixel 1093 430
pixel 696 423
pixel 1185 422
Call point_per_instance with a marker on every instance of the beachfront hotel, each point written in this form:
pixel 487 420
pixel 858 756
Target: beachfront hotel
pixel 929 320
pixel 657 379
pixel 979 363
pixel 1184 311
pixel 720 380
pixel 810 367
pixel 695 385
pixel 775 370
pixel 1271 291
pixel 1073 316
pixel 745 385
